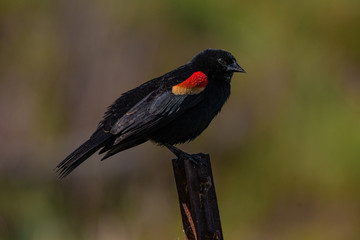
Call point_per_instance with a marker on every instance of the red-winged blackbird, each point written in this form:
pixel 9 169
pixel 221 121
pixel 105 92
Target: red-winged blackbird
pixel 167 110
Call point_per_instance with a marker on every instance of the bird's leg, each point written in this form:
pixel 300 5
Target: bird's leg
pixel 181 155
pixel 175 150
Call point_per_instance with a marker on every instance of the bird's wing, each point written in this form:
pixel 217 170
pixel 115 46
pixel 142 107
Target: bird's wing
pixel 151 113
pixel 127 101
pixel 132 97
pixel 159 107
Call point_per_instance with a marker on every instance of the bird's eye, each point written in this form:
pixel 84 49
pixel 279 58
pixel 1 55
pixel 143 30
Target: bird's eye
pixel 222 61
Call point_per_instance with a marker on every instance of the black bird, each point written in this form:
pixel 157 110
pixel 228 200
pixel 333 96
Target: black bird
pixel 168 110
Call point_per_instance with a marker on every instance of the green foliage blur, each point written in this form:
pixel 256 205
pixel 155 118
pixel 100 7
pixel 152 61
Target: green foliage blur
pixel 285 149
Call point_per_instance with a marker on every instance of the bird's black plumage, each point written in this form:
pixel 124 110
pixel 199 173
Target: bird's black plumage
pixel 168 110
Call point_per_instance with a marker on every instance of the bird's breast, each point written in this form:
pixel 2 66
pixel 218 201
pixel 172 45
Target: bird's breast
pixel 195 120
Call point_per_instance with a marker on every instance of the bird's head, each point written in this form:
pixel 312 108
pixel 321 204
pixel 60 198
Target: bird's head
pixel 215 63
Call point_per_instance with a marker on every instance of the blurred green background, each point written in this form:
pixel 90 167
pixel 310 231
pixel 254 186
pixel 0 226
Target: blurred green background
pixel 285 148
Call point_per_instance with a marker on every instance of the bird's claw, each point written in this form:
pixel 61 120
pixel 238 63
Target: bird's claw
pixel 196 159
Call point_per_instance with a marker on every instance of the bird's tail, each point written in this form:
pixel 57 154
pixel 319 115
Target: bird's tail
pixel 96 141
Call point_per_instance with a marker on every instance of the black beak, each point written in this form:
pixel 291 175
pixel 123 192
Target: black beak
pixel 234 67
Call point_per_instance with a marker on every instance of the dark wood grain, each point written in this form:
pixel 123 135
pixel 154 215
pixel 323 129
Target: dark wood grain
pixel 197 198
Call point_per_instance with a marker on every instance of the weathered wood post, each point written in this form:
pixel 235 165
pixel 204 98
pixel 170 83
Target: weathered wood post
pixel 197 198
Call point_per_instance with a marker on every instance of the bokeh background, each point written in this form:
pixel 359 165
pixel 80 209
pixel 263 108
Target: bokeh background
pixel 285 149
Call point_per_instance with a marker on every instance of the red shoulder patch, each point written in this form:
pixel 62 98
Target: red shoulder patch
pixel 195 84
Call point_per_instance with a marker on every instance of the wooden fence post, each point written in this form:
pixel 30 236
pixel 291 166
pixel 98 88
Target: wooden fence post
pixel 197 198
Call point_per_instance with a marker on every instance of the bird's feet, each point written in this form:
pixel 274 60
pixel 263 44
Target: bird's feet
pixel 181 156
